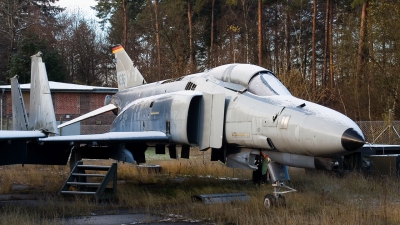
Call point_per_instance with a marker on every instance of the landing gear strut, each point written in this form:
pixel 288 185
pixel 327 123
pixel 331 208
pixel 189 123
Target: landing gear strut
pixel 279 174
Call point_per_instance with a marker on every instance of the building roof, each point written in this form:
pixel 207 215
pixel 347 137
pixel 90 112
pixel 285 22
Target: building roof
pixel 67 87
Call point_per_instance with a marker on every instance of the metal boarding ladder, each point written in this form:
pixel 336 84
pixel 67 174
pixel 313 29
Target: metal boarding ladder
pixel 77 184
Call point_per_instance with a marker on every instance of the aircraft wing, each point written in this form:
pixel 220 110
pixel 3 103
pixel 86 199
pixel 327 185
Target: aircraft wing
pixel 21 147
pixel 114 145
pixel 145 136
pixel 23 135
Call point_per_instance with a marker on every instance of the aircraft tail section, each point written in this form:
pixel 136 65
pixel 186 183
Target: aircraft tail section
pixel 20 118
pixel 127 74
pixel 41 110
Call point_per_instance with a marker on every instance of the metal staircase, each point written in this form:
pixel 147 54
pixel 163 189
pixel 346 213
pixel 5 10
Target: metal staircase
pixel 78 184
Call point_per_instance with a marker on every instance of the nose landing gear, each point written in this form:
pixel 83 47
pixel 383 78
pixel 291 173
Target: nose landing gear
pixel 277 198
pixel 279 174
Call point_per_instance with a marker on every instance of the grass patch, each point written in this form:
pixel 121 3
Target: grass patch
pixel 321 198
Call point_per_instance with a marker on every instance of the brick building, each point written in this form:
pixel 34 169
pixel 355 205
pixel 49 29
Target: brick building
pixel 70 101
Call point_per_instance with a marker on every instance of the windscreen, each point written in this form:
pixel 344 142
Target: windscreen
pixel 266 84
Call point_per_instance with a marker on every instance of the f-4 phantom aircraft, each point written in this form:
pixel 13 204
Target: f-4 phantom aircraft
pixel 237 110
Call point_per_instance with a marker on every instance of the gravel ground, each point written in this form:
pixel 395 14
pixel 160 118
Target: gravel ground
pixel 104 218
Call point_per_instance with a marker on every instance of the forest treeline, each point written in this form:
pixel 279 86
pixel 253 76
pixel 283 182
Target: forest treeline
pixel 344 54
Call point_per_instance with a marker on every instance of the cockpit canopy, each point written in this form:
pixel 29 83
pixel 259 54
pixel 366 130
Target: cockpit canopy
pixel 266 84
pixel 257 80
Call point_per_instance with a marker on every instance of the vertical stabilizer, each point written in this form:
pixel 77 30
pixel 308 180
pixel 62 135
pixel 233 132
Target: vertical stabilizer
pixel 127 74
pixel 41 110
pixel 20 119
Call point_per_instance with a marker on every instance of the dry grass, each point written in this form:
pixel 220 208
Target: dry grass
pixel 321 198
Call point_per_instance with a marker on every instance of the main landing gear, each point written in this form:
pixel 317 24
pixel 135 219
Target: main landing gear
pixel 279 174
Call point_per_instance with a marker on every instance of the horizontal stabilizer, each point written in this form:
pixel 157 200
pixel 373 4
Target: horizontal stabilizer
pixel 96 112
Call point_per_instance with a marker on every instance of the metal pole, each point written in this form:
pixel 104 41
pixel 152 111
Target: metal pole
pixel 8 122
pixel 390 126
pixel 61 121
pixel 2 93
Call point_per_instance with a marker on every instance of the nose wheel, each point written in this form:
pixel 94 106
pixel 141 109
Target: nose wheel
pixel 277 198
pixel 281 201
pixel 271 201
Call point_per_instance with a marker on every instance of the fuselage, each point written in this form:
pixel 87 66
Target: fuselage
pixel 259 113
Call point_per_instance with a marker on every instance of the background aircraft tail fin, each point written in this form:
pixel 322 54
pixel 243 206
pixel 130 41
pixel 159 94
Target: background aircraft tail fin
pixel 20 118
pixel 41 110
pixel 127 74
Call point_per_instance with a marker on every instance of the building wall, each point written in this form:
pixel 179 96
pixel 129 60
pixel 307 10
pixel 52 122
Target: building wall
pixel 66 103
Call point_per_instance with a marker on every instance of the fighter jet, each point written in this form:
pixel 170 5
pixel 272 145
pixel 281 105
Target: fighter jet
pixel 238 110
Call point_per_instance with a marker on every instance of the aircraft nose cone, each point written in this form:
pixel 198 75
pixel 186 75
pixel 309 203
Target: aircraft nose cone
pixel 352 140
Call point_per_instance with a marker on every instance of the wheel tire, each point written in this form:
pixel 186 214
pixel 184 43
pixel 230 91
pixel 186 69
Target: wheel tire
pixel 281 201
pixel 269 201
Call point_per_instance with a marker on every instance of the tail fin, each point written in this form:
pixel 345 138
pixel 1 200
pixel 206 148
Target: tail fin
pixel 41 110
pixel 127 75
pixel 20 119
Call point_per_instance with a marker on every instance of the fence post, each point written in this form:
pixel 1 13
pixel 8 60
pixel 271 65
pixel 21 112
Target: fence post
pixel 390 126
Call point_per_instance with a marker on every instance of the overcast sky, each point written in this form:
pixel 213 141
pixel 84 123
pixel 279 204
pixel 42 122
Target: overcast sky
pixel 81 4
